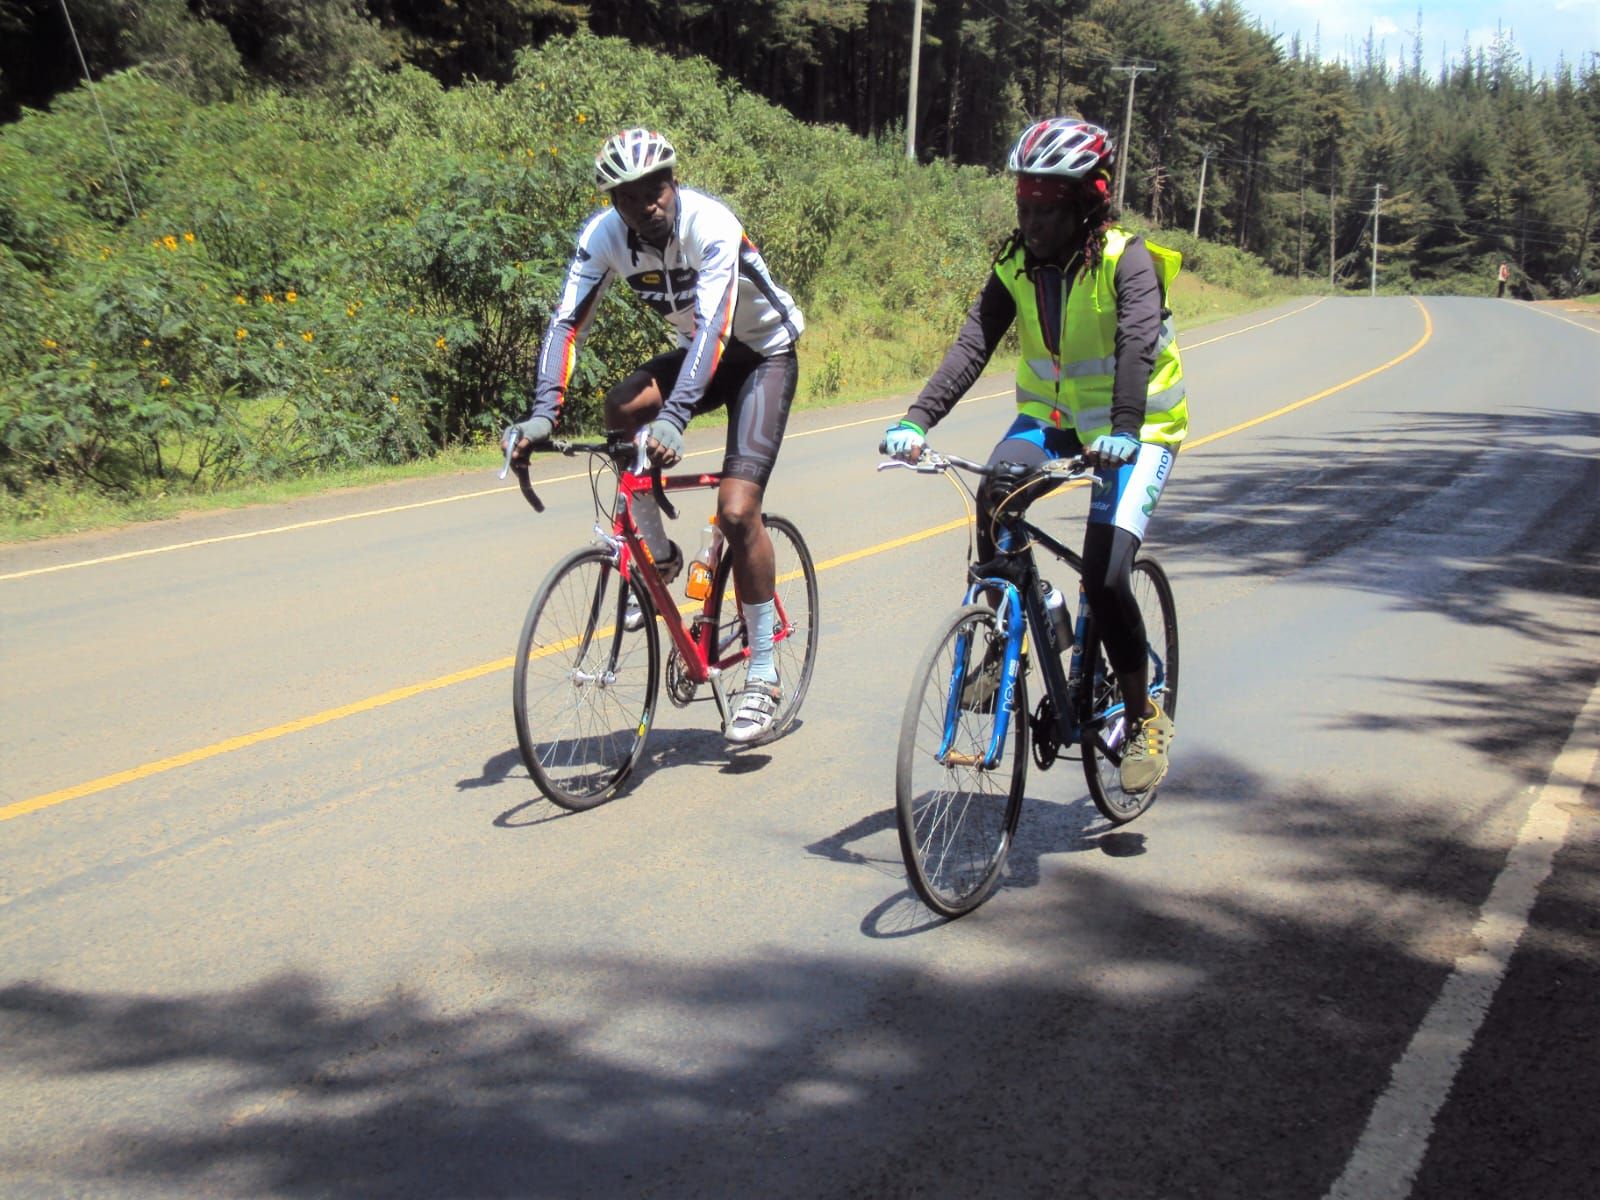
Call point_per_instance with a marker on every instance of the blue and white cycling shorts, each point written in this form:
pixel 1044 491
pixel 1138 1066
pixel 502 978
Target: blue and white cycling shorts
pixel 1123 496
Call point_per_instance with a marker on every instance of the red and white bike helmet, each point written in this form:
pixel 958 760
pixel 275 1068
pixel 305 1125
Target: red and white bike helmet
pixel 629 155
pixel 1062 147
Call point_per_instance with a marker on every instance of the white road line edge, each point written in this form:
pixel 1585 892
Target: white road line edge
pixel 1390 1152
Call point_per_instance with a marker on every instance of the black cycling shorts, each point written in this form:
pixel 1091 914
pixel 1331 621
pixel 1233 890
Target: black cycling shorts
pixel 757 392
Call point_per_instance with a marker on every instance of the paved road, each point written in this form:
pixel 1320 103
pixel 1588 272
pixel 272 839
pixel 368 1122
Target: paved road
pixel 281 913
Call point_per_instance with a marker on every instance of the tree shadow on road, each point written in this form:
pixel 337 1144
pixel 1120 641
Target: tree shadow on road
pixel 1232 1031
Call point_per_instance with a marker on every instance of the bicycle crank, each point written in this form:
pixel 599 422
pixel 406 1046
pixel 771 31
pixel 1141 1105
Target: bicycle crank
pixel 680 687
pixel 1046 738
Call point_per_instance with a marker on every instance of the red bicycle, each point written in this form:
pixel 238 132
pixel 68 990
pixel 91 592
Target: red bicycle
pixel 588 668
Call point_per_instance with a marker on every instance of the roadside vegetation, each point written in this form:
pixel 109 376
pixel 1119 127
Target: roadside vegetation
pixel 276 291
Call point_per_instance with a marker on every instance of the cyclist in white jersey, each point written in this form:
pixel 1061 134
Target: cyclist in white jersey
pixel 686 256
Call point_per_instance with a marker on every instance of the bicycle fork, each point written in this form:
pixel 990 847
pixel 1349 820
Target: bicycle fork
pixel 1011 623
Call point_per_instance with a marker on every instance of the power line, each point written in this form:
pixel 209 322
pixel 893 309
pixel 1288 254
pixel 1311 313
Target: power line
pixel 1071 51
pixel 104 124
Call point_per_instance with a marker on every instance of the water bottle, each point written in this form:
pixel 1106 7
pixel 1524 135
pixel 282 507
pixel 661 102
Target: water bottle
pixel 1055 610
pixel 697 586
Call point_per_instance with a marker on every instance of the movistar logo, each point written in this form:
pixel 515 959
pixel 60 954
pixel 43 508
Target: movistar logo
pixel 1154 493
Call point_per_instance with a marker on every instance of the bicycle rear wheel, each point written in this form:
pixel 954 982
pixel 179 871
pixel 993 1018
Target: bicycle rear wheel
pixel 795 646
pixel 584 684
pixel 957 817
pixel 1106 728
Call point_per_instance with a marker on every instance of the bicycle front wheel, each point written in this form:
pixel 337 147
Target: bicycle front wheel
pixel 957 815
pixel 794 647
pixel 584 683
pixel 1105 729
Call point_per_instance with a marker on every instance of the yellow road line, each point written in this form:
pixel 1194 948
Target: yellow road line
pixel 495 491
pixel 1427 333
pixel 106 782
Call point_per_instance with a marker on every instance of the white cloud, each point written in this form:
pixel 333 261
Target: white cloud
pixel 1545 31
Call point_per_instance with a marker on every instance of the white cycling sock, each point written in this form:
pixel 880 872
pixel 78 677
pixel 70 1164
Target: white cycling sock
pixel 759 620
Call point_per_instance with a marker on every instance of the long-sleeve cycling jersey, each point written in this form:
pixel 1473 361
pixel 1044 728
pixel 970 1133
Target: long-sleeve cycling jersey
pixel 1139 315
pixel 709 282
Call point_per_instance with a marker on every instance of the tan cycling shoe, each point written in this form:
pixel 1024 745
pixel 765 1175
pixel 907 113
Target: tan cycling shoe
pixel 1144 760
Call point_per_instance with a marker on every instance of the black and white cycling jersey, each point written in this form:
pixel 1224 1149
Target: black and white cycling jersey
pixel 709 283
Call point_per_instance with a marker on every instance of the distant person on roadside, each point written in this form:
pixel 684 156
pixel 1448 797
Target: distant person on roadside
pixel 1504 277
pixel 687 257
pixel 1099 375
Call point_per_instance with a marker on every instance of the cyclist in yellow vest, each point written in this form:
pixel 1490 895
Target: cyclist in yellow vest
pixel 1099 374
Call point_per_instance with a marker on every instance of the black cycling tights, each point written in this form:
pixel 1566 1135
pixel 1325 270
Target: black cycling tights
pixel 1107 568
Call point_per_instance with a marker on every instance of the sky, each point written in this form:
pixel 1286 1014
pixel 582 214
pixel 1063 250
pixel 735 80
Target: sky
pixel 1544 29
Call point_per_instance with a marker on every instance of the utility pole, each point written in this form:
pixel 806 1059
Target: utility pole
pixel 1377 197
pixel 916 60
pixel 1332 243
pixel 1127 130
pixel 1300 237
pixel 1201 198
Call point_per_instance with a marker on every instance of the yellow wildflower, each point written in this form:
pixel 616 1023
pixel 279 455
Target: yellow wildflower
pixel 241 333
pixel 349 310
pixel 188 237
pixel 582 118
pixel 268 298
pixel 165 382
pixel 553 153
pixel 278 345
pixel 49 343
pixel 145 343
pixel 439 344
pixel 240 300
pixel 307 335
pixel 394 399
pixel 291 297
pixel 170 242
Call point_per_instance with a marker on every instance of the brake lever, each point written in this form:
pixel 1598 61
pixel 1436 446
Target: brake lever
pixel 521 469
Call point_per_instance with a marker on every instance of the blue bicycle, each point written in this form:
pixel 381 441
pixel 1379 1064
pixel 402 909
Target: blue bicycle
pixel 965 737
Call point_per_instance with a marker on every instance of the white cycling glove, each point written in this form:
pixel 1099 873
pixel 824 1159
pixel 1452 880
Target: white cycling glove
pixel 1114 449
pixel 903 440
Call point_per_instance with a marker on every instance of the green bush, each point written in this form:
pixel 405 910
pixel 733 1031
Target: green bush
pixel 363 275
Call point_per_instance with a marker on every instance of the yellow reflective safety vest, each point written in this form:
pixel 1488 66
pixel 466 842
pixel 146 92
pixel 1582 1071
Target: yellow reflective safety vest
pixel 1074 390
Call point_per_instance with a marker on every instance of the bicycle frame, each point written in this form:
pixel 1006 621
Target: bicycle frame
pixel 1071 697
pixel 699 654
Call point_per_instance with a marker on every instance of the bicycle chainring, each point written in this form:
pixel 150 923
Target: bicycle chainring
pixel 680 687
pixel 1046 741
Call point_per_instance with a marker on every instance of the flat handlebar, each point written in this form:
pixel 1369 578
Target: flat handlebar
pixel 933 462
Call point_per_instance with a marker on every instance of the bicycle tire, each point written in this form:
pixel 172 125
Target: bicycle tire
pixel 796 653
pixel 957 820
pixel 1102 763
pixel 568 681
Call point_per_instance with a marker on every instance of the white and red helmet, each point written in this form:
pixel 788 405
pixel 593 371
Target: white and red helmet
pixel 629 155
pixel 1062 147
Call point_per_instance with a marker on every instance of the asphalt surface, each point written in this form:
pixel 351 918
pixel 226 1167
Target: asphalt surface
pixel 281 913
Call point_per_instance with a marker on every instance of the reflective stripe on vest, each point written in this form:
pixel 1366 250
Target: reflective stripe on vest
pixel 1075 391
